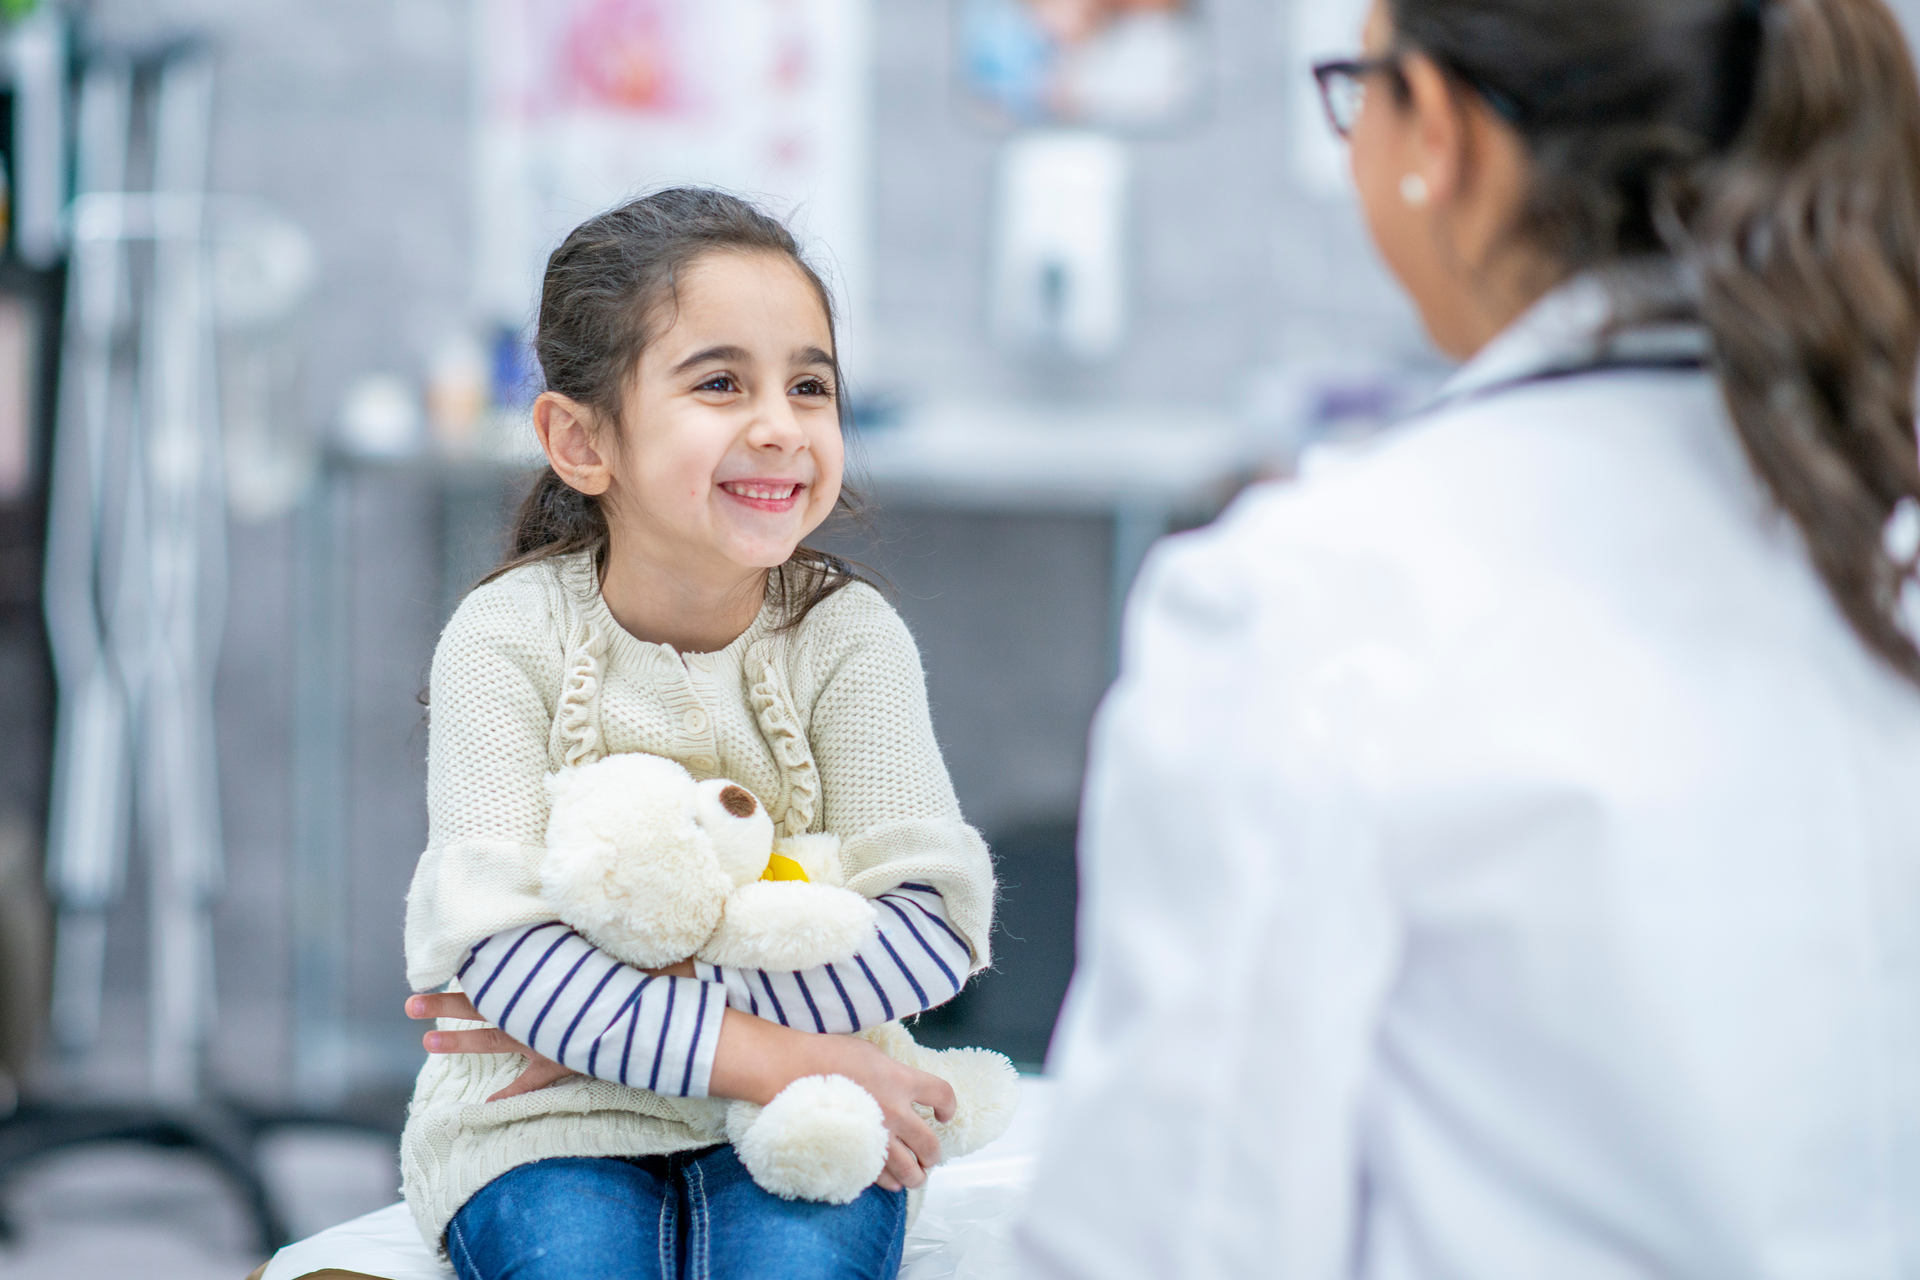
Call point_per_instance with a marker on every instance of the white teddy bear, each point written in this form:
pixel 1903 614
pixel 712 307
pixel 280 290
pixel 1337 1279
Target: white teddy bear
pixel 653 867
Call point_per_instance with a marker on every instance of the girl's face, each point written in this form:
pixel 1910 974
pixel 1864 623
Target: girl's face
pixel 729 452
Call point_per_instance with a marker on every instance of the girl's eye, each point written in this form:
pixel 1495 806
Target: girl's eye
pixel 720 382
pixel 811 387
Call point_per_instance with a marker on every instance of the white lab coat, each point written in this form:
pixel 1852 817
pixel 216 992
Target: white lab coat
pixel 1500 859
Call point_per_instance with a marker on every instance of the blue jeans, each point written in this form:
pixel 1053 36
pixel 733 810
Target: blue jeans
pixel 692 1216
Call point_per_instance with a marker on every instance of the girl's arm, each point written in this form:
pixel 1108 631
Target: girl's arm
pixel 552 990
pixel 754 1060
pixel 555 992
pixel 916 962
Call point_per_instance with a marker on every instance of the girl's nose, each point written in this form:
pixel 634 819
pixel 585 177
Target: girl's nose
pixel 776 427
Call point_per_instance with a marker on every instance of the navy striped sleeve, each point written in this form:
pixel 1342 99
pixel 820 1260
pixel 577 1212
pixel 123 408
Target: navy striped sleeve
pixel 917 962
pixel 552 990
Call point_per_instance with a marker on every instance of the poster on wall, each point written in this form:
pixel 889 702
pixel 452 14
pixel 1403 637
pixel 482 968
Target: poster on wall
pixel 1110 64
pixel 583 103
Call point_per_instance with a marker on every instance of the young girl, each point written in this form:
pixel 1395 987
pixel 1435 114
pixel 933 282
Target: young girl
pixel 659 600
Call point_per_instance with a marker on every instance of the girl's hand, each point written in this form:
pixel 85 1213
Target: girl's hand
pixel 540 1071
pixel 756 1059
pixel 682 970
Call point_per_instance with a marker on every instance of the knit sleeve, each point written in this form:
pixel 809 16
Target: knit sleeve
pixel 884 787
pixel 495 675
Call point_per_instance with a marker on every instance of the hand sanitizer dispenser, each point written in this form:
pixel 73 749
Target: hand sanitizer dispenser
pixel 1059 267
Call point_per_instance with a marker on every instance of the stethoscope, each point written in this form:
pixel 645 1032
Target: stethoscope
pixel 1677 363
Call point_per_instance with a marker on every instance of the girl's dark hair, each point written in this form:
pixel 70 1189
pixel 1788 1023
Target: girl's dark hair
pixel 1772 148
pixel 606 288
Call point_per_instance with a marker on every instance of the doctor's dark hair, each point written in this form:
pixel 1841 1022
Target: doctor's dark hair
pixel 608 290
pixel 1772 147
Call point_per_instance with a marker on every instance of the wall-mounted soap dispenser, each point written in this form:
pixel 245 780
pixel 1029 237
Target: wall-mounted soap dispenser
pixel 1059 275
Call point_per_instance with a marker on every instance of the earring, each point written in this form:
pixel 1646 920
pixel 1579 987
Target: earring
pixel 1414 190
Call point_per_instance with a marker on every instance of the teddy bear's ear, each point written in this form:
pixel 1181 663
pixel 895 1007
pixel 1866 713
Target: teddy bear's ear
pixel 738 825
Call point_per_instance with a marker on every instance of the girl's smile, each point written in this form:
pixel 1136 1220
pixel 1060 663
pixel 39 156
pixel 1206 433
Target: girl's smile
pixel 765 495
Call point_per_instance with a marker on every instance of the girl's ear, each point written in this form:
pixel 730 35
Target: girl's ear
pixel 566 431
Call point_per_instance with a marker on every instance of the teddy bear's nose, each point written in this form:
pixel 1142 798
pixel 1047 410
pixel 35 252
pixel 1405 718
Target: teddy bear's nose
pixel 739 802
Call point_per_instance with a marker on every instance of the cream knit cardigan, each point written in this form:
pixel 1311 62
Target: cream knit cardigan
pixel 826 723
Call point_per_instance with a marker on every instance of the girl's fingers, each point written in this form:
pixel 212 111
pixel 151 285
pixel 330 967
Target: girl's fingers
pixel 887 1182
pixel 904 1165
pixel 485 1040
pixel 540 1073
pixel 443 1004
pixel 682 970
pixel 911 1133
pixel 938 1094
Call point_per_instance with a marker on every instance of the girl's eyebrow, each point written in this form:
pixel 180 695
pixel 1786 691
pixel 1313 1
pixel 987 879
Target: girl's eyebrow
pixel 806 356
pixel 709 355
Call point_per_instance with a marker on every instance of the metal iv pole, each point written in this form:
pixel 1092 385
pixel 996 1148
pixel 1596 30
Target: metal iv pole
pixel 135 594
pixel 136 567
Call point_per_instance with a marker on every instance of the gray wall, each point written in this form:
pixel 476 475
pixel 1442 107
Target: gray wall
pixel 1235 266
pixel 350 115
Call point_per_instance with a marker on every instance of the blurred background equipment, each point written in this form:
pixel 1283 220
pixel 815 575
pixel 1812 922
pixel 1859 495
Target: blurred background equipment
pixel 135 599
pixel 1060 270
pixel 31 109
pixel 136 572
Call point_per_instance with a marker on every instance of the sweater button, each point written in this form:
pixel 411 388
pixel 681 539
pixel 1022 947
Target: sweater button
pixel 705 764
pixel 695 721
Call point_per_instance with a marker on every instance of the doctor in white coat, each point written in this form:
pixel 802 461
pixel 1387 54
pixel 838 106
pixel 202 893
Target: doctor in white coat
pixel 1502 848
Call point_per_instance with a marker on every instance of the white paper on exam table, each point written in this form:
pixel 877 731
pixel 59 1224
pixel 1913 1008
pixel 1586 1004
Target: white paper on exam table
pixel 963 1232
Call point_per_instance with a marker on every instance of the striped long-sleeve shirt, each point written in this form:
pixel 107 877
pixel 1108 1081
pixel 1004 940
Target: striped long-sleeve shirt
pixel 552 990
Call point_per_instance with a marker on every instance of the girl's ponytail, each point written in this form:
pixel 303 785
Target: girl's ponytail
pixel 555 519
pixel 1806 233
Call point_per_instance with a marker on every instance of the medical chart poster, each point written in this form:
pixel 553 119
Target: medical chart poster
pixel 583 103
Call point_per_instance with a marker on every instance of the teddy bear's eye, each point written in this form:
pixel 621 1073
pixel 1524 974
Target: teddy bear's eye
pixel 739 802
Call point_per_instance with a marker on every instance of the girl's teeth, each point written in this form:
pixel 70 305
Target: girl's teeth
pixel 763 493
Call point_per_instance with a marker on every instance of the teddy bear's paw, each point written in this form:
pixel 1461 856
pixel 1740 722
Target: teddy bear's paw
pixel 986 1091
pixel 788 925
pixel 894 1040
pixel 822 1138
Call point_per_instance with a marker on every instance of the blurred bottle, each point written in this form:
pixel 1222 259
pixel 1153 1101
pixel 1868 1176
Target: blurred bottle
pixel 516 383
pixel 380 417
pixel 457 394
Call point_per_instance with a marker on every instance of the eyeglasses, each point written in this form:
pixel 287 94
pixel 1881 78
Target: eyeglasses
pixel 1343 87
pixel 1343 90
